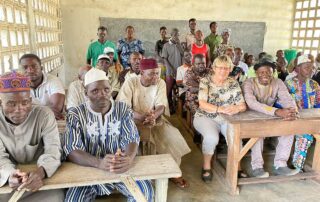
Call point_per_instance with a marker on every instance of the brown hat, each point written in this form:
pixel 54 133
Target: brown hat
pixel 148 64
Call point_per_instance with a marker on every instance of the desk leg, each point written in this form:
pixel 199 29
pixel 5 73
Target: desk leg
pixel 316 155
pixel 134 189
pixel 16 196
pixel 161 190
pixel 233 156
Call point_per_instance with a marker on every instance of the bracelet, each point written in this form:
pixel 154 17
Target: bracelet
pixel 217 109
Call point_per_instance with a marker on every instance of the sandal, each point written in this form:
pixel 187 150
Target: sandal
pixel 242 174
pixel 180 182
pixel 208 178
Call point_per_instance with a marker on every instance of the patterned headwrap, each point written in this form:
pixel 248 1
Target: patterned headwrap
pixel 14 82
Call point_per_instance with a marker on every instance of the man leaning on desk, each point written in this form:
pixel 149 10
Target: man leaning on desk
pixel 269 95
pixel 28 134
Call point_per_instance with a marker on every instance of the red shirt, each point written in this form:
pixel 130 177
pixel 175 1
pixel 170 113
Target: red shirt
pixel 199 50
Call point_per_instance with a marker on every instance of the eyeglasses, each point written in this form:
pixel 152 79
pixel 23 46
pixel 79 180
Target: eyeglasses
pixel 222 68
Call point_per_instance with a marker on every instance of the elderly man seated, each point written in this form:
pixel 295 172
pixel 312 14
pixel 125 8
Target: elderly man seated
pixel 306 93
pixel 46 89
pixel 146 94
pixel 104 64
pixel 76 94
pixel 269 95
pixel 28 134
pixel 101 133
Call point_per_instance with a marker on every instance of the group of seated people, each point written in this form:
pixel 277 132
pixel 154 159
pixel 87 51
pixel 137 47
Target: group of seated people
pixel 117 94
pixel 102 126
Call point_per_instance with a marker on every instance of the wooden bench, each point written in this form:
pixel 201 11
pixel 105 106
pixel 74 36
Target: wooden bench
pixel 153 167
pixel 255 125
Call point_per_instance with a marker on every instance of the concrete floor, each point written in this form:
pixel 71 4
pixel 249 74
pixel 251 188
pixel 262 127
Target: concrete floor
pixel 293 191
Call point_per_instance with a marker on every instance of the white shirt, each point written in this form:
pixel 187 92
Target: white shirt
pixel 243 66
pixel 291 75
pixel 181 71
pixel 130 75
pixel 49 86
pixel 76 95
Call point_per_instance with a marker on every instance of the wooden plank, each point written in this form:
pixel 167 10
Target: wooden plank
pixel 133 189
pixel 246 148
pixel 17 195
pixel 161 190
pixel 273 128
pixel 72 175
pixel 316 155
pixel 61 125
pixel 253 116
pixel 267 153
pixel 253 180
pixel 233 153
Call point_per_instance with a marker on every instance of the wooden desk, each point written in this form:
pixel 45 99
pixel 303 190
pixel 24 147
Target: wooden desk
pixel 255 125
pixel 158 167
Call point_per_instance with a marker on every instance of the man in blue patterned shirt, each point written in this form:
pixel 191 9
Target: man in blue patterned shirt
pixel 127 46
pixel 101 133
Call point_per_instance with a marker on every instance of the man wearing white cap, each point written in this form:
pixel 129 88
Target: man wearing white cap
pixel 101 133
pixel 115 64
pixel 225 44
pixel 104 64
pixel 306 93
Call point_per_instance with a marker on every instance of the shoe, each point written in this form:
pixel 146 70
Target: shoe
pixel 260 173
pixel 285 171
pixel 208 178
pixel 180 182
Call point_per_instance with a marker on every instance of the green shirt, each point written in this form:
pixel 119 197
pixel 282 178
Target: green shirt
pixel 213 42
pixel 96 48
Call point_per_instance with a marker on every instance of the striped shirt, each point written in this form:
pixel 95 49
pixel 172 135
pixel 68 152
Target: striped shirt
pixel 86 131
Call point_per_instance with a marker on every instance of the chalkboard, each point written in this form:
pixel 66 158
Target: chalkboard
pixel 247 35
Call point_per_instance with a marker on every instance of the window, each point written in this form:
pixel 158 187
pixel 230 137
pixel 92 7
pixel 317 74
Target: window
pixel 18 36
pixel 306 26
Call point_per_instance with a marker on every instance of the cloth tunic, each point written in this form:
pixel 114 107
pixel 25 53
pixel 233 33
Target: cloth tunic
pixel 76 95
pixel 86 131
pixel 36 140
pixel 142 99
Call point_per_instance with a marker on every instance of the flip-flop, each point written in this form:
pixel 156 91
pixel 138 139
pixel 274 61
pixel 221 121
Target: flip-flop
pixel 180 182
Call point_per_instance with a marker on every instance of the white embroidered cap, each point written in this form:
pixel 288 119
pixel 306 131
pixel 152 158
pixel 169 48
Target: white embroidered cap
pixel 94 75
pixel 303 59
pixel 108 50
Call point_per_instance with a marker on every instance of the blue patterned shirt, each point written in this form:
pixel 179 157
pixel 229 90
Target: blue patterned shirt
pixel 125 48
pixel 86 131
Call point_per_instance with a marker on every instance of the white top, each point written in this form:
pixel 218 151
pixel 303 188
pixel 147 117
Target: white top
pixel 181 71
pixel 244 67
pixel 291 75
pixel 49 86
pixel 130 75
pixel 76 95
